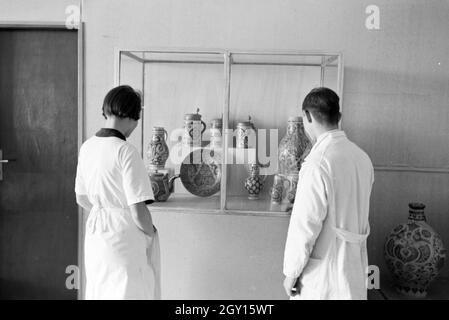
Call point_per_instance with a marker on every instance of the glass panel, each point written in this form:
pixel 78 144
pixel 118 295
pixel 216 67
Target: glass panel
pixel 131 73
pixel 277 59
pixel 174 84
pixel 330 76
pixel 183 57
pixel 177 84
pixel 276 84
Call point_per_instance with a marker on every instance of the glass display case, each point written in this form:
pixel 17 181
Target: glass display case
pixel 222 115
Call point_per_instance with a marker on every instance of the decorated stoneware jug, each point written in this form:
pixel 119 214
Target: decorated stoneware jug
pixel 414 253
pixel 246 134
pixel 158 152
pixel 294 147
pixel 193 129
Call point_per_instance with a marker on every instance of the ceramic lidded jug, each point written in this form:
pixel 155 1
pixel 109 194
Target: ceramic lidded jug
pixel 193 129
pixel 246 134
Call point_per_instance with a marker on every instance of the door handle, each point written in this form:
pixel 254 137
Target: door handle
pixel 2 161
pixel 6 161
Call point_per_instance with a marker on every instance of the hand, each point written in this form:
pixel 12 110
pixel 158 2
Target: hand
pixel 291 286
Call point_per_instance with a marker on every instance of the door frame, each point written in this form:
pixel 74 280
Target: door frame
pixel 43 25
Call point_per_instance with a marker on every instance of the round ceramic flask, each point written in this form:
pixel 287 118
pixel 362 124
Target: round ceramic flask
pixel 414 253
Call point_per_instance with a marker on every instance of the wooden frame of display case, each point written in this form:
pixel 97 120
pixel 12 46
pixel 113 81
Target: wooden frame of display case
pixel 190 203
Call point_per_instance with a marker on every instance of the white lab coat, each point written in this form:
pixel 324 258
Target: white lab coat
pixel 121 262
pixel 326 241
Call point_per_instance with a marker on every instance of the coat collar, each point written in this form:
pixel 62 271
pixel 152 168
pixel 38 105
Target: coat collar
pixel 109 132
pixel 332 134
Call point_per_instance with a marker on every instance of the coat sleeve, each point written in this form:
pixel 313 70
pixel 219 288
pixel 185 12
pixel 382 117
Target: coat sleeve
pixel 308 214
pixel 136 182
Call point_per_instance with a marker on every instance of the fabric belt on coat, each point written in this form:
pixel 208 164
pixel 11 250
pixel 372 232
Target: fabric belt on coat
pixel 351 237
pixel 96 219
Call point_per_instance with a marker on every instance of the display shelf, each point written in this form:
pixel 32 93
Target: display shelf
pixel 227 84
pixel 185 203
pixel 262 206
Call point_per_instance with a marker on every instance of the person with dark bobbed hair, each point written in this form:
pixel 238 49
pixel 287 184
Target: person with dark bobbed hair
pixel 121 243
pixel 122 102
pixel 325 253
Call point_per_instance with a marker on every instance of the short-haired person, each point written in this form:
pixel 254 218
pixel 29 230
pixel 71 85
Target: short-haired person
pixel 325 253
pixel 113 185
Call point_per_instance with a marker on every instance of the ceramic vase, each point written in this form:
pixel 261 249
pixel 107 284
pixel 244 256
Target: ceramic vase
pixel 294 147
pixel 414 253
pixel 254 183
pixel 158 152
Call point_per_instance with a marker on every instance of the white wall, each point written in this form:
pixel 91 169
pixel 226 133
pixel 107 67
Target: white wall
pixel 395 107
pixel 34 11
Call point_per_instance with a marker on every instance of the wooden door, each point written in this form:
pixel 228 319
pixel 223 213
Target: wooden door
pixel 38 128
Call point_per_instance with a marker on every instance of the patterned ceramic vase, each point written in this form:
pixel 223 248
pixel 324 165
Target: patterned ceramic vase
pixel 414 253
pixel 254 183
pixel 158 152
pixel 294 147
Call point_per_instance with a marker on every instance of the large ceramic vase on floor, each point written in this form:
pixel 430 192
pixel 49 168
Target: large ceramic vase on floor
pixel 294 147
pixel 414 253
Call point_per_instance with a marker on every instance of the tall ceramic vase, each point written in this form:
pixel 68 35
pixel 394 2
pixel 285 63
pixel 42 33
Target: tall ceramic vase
pixel 294 147
pixel 414 253
pixel 157 152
